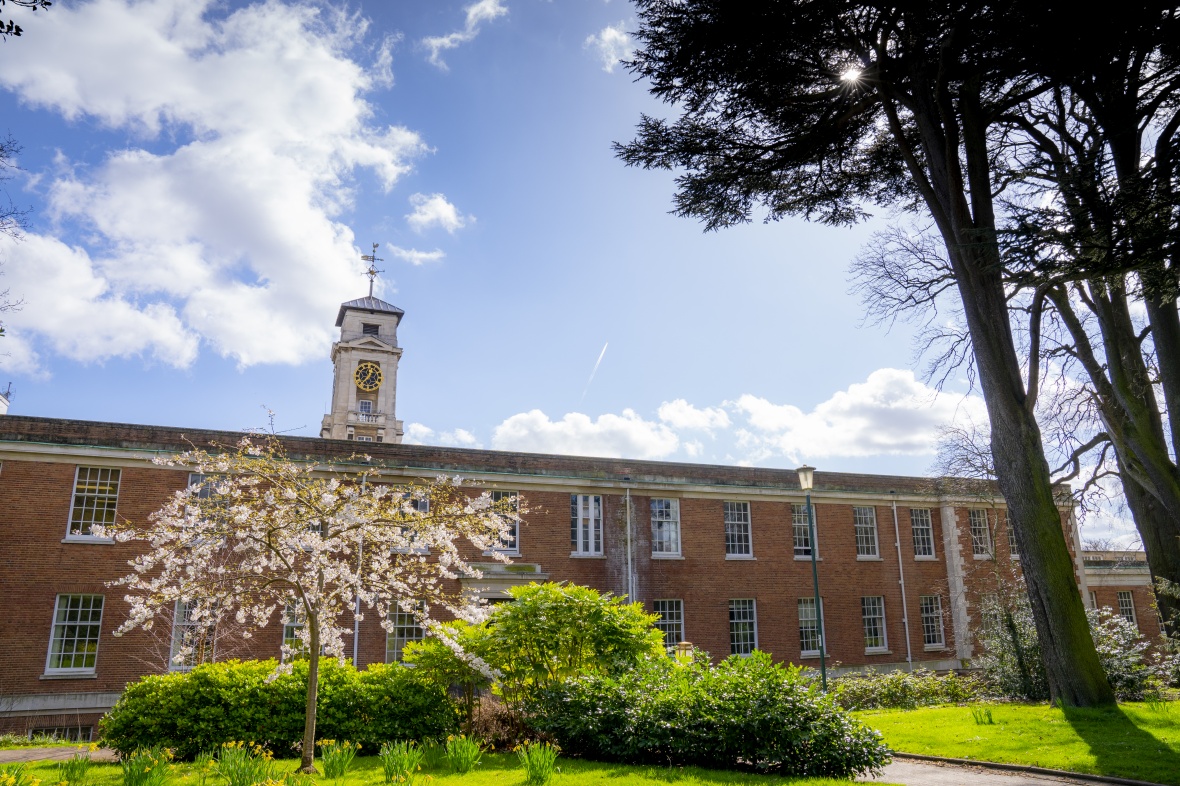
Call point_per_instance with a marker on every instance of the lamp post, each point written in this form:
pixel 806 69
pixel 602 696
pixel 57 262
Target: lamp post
pixel 806 480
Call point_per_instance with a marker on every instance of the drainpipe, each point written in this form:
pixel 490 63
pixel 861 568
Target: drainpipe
pixel 356 610
pixel 630 566
pixel 905 609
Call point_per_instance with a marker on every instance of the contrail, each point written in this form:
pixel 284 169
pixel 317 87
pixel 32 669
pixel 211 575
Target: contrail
pixel 595 371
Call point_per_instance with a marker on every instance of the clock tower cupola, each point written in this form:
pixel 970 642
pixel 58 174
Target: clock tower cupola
pixel 364 387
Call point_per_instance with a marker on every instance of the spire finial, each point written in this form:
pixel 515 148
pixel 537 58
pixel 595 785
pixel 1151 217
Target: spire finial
pixel 372 272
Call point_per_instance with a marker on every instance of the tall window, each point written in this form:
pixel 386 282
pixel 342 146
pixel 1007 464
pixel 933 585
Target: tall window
pixel 671 621
pixel 1013 549
pixel 801 530
pixel 586 524
pixel 403 628
pixel 73 645
pixel 931 608
pixel 511 500
pixel 1093 600
pixel 865 521
pixel 96 491
pixel 186 633
pixel 1127 607
pixel 737 530
pixel 665 527
pixel 981 534
pixel 872 612
pixel 808 628
pixel 923 529
pixel 294 620
pixel 743 626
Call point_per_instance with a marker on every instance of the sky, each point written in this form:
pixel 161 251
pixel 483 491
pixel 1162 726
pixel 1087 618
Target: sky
pixel 204 176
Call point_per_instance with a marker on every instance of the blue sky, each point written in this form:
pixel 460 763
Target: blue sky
pixel 204 176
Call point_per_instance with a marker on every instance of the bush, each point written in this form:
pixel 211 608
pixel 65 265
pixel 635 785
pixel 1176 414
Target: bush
pixel 903 690
pixel 744 712
pixel 244 700
pixel 1011 657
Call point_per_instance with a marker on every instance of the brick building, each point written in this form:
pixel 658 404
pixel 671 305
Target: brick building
pixel 722 553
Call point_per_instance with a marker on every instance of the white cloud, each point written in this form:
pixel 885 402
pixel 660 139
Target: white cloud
pixel 610 436
pixel 680 414
pixel 611 44
pixel 416 257
pixel 477 13
pixel 434 210
pixel 420 434
pixel 890 413
pixel 226 232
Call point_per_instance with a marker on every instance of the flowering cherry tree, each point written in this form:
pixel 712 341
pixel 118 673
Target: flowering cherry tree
pixel 260 532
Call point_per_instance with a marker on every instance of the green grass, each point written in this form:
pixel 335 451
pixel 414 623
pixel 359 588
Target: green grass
pixel 1131 741
pixel 496 769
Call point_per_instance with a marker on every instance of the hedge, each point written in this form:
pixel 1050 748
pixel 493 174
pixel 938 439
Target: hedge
pixel 743 713
pixel 245 700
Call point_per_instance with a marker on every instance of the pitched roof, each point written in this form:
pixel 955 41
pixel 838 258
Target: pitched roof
pixel 371 304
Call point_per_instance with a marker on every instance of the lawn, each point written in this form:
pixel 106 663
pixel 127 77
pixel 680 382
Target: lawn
pixel 1134 740
pixel 494 770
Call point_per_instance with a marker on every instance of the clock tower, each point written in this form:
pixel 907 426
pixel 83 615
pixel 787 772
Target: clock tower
pixel 364 387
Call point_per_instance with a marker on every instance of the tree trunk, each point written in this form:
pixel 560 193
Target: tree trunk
pixel 1165 335
pixel 1163 552
pixel 1072 668
pixel 307 763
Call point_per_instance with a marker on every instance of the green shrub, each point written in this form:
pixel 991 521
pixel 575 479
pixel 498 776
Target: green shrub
pixel 243 700
pixel 872 690
pixel 743 712
pixel 463 753
pixel 1011 654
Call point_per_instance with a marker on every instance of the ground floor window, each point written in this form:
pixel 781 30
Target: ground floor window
pixel 403 628
pixel 743 626
pixel 809 629
pixel 73 646
pixel 671 621
pixel 932 633
pixel 872 609
pixel 64 733
pixel 1127 607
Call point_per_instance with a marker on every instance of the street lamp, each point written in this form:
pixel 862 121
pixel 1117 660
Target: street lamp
pixel 806 480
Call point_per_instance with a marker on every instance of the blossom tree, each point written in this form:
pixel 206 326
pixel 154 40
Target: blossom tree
pixel 259 532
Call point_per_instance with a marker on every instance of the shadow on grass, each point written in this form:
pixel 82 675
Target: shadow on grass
pixel 1122 748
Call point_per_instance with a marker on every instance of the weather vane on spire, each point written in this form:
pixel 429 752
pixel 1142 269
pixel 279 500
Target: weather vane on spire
pixel 372 272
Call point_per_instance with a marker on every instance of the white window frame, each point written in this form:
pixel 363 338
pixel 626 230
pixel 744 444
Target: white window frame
pixel 922 521
pixel 182 628
pixel 1093 600
pixel 364 438
pixel 982 543
pixel 513 547
pixel 930 611
pixel 665 520
pixel 1013 546
pixel 671 620
pixel 586 515
pixel 810 601
pixel 739 527
pixel 865 532
pixel 80 498
pixel 1127 612
pixel 876 616
pixel 294 619
pixel 736 636
pixel 801 532
pixel 364 406
pixel 62 626
pixel 395 638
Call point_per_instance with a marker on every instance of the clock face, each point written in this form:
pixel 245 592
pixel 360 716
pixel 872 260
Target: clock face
pixel 368 376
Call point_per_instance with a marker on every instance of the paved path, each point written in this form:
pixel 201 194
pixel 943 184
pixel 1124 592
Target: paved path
pixel 59 753
pixel 921 773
